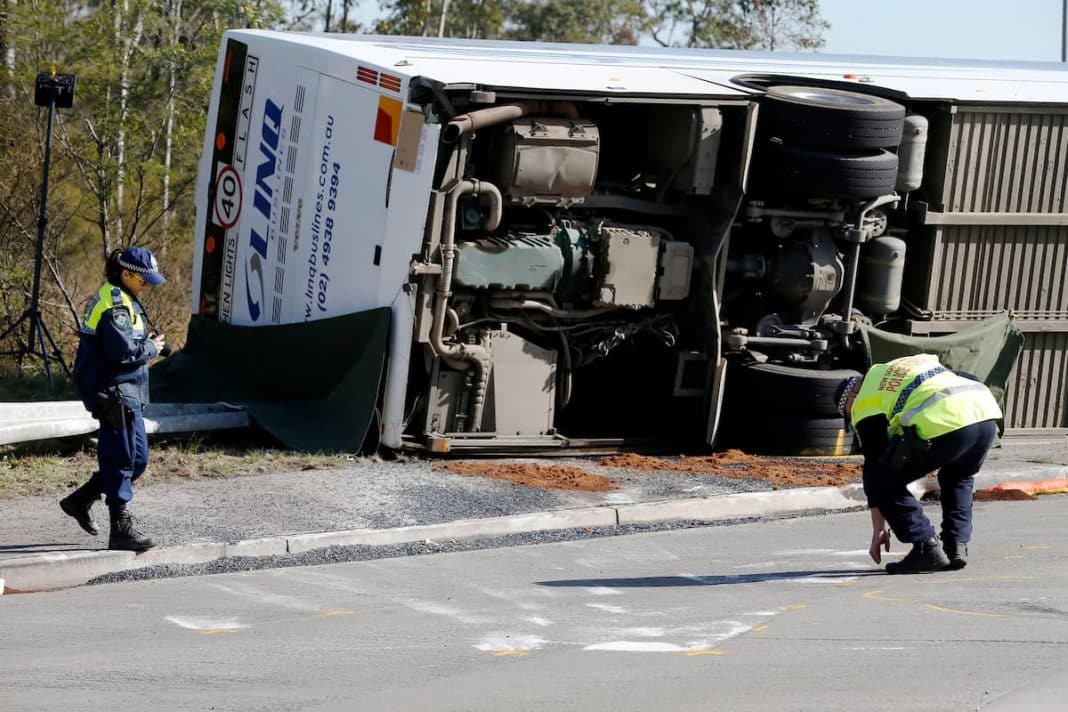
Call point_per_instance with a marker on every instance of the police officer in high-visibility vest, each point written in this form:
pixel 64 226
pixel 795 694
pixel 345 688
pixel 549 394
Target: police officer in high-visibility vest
pixel 111 373
pixel 913 416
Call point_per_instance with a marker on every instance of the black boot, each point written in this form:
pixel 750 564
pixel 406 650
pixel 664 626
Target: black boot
pixel 78 503
pixel 124 534
pixel 925 557
pixel 956 552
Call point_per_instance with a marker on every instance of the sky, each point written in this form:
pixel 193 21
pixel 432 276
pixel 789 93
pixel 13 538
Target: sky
pixel 956 29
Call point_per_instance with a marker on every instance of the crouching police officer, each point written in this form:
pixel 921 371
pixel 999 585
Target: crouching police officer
pixel 913 416
pixel 111 373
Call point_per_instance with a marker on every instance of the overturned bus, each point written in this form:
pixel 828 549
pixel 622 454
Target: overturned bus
pixel 515 246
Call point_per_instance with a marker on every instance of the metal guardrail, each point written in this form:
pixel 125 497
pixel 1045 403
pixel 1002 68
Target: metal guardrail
pixel 27 422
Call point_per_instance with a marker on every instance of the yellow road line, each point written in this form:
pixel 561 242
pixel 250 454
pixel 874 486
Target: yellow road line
pixel 959 579
pixel 874 595
pixel 933 607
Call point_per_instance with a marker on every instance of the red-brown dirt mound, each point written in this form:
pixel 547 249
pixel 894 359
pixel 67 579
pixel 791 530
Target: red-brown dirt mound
pixel 735 463
pixel 532 475
pixel 1006 495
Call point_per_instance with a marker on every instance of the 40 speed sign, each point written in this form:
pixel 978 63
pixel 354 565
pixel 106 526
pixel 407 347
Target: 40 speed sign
pixel 227 197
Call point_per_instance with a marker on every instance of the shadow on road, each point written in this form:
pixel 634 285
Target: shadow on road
pixel 666 581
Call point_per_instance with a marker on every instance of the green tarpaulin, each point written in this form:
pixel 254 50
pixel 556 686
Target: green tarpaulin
pixel 314 385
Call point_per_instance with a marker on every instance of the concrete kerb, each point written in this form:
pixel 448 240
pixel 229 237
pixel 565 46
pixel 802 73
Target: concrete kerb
pixel 182 555
pixel 460 529
pixel 44 572
pixel 747 504
pixel 269 546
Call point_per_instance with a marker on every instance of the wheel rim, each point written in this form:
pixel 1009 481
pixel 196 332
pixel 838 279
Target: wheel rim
pixel 841 99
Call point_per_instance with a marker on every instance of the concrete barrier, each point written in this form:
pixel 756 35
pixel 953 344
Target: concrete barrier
pixel 27 422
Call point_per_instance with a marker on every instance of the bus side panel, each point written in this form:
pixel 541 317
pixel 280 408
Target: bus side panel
pixel 303 199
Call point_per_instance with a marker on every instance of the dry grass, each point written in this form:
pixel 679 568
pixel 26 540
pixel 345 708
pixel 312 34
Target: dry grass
pixel 32 383
pixel 55 469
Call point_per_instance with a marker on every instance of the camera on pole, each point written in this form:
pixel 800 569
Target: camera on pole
pixel 56 91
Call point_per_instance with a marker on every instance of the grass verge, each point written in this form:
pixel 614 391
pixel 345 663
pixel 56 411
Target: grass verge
pixel 55 467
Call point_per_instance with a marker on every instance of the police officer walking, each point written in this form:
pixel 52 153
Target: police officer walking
pixel 913 416
pixel 111 373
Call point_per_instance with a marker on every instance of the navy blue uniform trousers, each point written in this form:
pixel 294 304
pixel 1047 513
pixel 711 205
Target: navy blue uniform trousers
pixel 122 456
pixel 957 456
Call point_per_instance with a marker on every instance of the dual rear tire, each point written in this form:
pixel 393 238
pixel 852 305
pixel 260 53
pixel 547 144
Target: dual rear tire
pixel 774 409
pixel 827 142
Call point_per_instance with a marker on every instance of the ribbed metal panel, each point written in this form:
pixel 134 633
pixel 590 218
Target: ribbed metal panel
pixel 1037 396
pixel 1002 161
pixel 979 270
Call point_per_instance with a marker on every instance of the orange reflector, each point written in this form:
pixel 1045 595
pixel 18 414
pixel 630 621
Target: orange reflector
pixel 209 244
pixel 220 141
pixel 387 122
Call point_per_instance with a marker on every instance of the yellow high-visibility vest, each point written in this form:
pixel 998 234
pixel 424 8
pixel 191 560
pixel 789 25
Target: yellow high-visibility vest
pixel 110 296
pixel 917 391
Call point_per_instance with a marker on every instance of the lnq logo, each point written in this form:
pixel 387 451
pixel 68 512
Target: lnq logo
pixel 272 123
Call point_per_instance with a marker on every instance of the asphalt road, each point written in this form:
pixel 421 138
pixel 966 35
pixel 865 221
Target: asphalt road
pixel 773 615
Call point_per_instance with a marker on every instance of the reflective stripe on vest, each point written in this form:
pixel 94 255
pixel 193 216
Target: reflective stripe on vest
pixel 108 297
pixel 950 407
pixel 909 415
pixel 935 405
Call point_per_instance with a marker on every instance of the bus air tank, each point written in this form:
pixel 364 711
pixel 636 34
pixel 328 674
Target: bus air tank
pixel 910 154
pixel 881 271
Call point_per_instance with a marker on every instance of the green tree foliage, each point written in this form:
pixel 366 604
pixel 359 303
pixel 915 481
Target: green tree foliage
pixel 780 24
pixel 324 15
pixel 738 24
pixel 124 158
pixel 470 19
pixel 599 22
pixel 734 24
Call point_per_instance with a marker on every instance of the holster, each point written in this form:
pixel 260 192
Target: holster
pixel 110 408
pixel 908 449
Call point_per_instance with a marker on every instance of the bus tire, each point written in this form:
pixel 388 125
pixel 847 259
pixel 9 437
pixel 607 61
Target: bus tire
pixel 807 171
pixel 792 390
pixel 831 118
pixel 797 435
